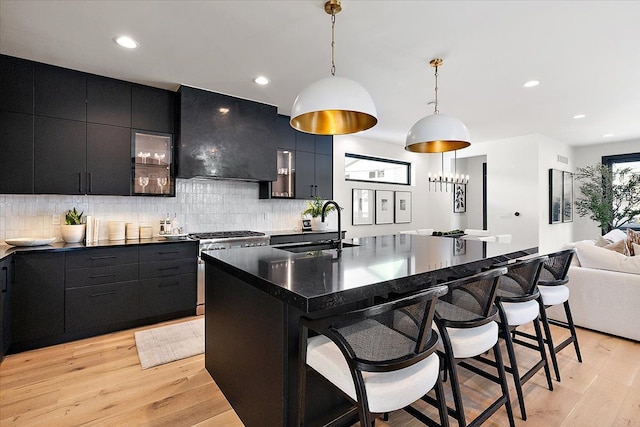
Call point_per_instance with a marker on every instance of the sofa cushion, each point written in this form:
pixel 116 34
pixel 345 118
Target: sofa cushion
pixel 615 235
pixel 636 249
pixel 602 242
pixel 632 237
pixel 591 256
pixel 620 246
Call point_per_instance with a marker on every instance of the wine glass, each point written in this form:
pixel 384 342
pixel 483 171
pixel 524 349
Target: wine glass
pixel 161 183
pixel 159 156
pixel 143 181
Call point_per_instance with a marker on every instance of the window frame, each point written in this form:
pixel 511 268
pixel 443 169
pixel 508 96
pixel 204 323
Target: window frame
pixel 382 160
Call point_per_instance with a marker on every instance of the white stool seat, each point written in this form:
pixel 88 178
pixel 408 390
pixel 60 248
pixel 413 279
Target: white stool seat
pixel 504 238
pixel 487 239
pixel 554 295
pixel 470 342
pixel 519 313
pixel 386 391
pixel 475 232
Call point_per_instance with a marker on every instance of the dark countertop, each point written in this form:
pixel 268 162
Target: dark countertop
pixel 6 250
pixel 318 280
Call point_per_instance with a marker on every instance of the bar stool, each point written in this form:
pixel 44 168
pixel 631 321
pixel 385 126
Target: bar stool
pixel 552 285
pixel 518 303
pixel 465 319
pixel 383 358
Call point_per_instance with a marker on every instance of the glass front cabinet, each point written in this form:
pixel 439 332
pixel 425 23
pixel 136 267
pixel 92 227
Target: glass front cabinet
pixel 283 187
pixel 153 165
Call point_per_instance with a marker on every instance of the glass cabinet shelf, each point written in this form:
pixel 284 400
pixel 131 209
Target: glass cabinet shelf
pixel 152 164
pixel 283 186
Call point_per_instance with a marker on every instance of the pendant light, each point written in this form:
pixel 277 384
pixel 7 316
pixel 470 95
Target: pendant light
pixel 437 133
pixel 333 105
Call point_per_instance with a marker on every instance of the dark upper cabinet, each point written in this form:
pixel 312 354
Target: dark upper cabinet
pixel 108 160
pixel 16 85
pixel 324 176
pixel 60 156
pixel 324 144
pixel 285 134
pixel 60 93
pixel 305 142
pixel 305 175
pixel 108 101
pixel 152 109
pixel 37 300
pixel 16 146
pixel 225 137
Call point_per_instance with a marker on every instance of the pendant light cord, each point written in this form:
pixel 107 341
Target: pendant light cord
pixel 436 111
pixel 333 42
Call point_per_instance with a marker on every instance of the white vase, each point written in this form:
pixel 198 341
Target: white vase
pixel 73 233
pixel 318 225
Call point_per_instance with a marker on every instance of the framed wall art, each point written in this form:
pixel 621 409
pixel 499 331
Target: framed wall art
pixel 555 196
pixel 567 197
pixel 384 207
pixel 402 207
pixel 363 206
pixel 459 198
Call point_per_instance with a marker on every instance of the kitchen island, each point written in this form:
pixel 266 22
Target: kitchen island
pixel 255 297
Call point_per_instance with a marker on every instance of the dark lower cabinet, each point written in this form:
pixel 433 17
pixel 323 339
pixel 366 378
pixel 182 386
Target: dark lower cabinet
pixel 5 308
pixel 37 299
pixel 97 306
pixel 171 294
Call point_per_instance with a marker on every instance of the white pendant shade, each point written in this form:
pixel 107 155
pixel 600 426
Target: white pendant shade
pixel 437 133
pixel 333 106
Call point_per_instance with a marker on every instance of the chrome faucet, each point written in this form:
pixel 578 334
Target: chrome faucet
pixel 338 209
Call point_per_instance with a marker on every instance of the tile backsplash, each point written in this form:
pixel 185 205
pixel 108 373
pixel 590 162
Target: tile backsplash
pixel 200 205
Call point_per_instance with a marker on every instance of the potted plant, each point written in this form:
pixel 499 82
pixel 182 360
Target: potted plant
pixel 611 198
pixel 314 210
pixel 73 229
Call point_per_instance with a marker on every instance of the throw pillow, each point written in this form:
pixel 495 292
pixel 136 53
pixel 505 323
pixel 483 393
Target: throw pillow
pixel 602 242
pixel 615 235
pixel 591 256
pixel 636 249
pixel 632 237
pixel 619 246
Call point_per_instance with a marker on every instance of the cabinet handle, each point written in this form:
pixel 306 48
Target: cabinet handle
pixel 102 294
pixel 95 276
pixel 168 268
pixel 5 271
pixel 311 190
pixel 79 182
pixel 95 258
pixel 164 285
pixel 90 182
pixel 167 253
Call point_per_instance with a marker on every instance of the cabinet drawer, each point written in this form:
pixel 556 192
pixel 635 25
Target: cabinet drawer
pixel 100 305
pixel 164 295
pixel 167 268
pixel 276 240
pixel 101 257
pixel 169 251
pixel 80 277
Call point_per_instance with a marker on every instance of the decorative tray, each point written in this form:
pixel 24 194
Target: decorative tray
pixel 30 241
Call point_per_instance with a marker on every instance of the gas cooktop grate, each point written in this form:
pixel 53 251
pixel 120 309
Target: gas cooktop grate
pixel 225 234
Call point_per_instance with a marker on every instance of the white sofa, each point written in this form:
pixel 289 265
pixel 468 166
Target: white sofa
pixel 601 299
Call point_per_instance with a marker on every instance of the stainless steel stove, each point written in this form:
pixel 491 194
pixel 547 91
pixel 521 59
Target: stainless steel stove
pixel 216 240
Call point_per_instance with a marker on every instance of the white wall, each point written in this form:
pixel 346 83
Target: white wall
pixel 585 228
pixel 431 207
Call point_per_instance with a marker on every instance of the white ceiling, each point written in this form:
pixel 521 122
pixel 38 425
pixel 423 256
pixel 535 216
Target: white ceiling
pixel 586 55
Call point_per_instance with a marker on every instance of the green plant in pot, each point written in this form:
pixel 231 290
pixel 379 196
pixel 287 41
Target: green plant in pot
pixel 314 210
pixel 73 228
pixel 611 198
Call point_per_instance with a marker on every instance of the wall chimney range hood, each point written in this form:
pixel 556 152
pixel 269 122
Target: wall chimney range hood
pixel 220 136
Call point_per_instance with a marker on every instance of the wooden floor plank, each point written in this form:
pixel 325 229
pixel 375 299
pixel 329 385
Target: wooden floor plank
pixel 99 381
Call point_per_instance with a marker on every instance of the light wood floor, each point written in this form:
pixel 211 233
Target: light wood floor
pixel 98 381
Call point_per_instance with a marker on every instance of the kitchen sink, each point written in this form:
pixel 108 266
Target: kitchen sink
pixel 317 246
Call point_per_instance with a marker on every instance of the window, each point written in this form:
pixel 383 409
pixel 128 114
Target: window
pixel 374 169
pixel 623 161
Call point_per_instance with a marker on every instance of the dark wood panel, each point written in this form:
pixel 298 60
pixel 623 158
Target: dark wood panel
pixel 59 156
pixel 152 109
pixel 98 257
pixel 16 146
pixel 108 101
pixel 101 305
pixel 108 160
pixel 37 303
pixel 60 93
pixel 164 295
pixel 80 277
pixel 16 85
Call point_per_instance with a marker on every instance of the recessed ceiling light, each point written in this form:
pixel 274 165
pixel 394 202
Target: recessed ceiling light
pixel 531 83
pixel 126 41
pixel 223 110
pixel 608 135
pixel 261 80
pixel 579 116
